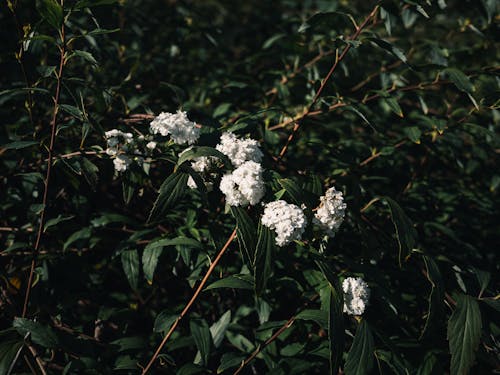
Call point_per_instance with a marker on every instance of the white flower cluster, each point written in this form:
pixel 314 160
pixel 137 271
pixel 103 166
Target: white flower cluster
pixel 243 186
pixel 331 211
pixel 177 125
pixel 239 150
pixel 202 165
pixel 356 295
pixel 286 219
pixel 119 142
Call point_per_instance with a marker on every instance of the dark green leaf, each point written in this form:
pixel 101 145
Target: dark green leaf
pixel 18 145
pixel 172 189
pixel 164 321
pixel 218 329
pixel 202 338
pixel 292 189
pixel 72 110
pixel 318 316
pixel 247 234
pixel 264 255
pixel 461 81
pixel 233 281
pixel 51 11
pixel 130 264
pixel 406 235
pixel 464 333
pixel 389 47
pixel 154 249
pixel 198 151
pixel 11 345
pixel 39 334
pixel 436 297
pixel 56 220
pixel 360 357
pixel 335 316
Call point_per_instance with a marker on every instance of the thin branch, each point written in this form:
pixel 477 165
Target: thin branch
pixel 256 352
pixel 191 301
pixel 62 50
pixel 338 59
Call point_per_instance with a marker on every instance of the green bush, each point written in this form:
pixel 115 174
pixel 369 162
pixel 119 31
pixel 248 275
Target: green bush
pixel 120 255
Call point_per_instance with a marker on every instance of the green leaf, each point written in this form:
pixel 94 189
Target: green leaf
pixel 436 305
pixel 93 3
pixel 11 345
pixel 39 334
pixel 393 104
pixel 172 189
pixel 56 220
pixel 164 321
pixel 336 340
pixel 413 133
pixel 360 357
pixel 459 79
pixel 292 189
pixel 202 338
pixel 318 316
pixel 87 56
pixel 270 41
pixel 229 360
pixel 406 235
pixel 198 151
pixel 130 264
pixel 154 249
pixel 233 281
pixel 264 254
pixel 389 47
pixel 483 278
pixel 51 12
pixel 19 144
pixel 218 329
pixel 72 110
pixel 246 234
pixel 82 235
pixel 464 333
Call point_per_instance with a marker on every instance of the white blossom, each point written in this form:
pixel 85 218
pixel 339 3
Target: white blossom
pixel 356 295
pixel 286 219
pixel 118 142
pixel 244 186
pixel 121 163
pixel 331 211
pixel 177 125
pixel 239 150
pixel 151 145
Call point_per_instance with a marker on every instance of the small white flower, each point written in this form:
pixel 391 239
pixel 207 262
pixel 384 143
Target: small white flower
pixel 286 219
pixel 177 125
pixel 331 211
pixel 239 150
pixel 121 163
pixel 356 295
pixel 244 186
pixel 151 145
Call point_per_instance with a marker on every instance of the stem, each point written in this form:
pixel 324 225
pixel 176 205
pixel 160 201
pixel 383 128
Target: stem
pixel 190 303
pixel 338 59
pixel 256 352
pixel 62 50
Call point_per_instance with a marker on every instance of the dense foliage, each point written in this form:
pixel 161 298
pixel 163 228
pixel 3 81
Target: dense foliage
pixel 394 103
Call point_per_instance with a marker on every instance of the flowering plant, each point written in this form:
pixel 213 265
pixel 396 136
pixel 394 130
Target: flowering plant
pixel 290 187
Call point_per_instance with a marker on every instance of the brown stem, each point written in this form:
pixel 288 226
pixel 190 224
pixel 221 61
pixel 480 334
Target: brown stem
pixel 256 352
pixel 282 329
pixel 62 50
pixel 338 59
pixel 190 303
